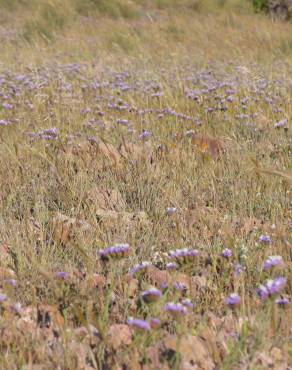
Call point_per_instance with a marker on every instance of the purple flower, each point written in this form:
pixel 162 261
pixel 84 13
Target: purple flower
pixel 282 301
pixel 11 282
pixel 151 295
pixel 116 251
pixel 3 297
pixel 171 266
pixel 63 275
pixel 281 123
pixel 271 287
pixel 226 253
pixel 170 211
pixel 187 303
pixel 140 267
pixel 155 323
pixel 138 324
pixel 265 239
pixel 145 135
pixel 238 270
pixel 183 255
pixel 262 292
pixel 272 261
pixel 123 122
pixel 7 106
pixel 175 308
pixel 233 300
pixel 276 285
pixel 180 286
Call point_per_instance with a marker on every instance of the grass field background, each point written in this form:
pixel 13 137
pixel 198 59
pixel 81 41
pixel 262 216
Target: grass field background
pixel 160 124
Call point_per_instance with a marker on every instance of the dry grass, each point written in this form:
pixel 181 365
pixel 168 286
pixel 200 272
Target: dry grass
pixel 208 83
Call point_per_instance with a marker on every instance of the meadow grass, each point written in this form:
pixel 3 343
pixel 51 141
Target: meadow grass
pixel 163 125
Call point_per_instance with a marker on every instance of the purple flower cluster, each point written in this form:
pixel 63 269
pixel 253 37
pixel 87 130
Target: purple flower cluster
pixel 226 253
pixel 151 295
pixel 139 324
pixel 271 287
pixel 265 239
pixel 117 251
pixel 233 300
pixel 175 309
pixel 140 267
pixel 272 261
pixel 183 255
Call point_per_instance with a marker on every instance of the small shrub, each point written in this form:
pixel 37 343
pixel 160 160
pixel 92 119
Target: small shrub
pixel 259 5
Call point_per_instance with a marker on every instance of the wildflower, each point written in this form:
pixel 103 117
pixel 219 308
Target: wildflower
pixel 123 122
pixel 155 323
pixel 11 282
pixel 265 239
pixel 187 303
pixel 138 324
pixel 175 308
pixel 140 267
pixel 226 253
pixel 271 287
pixel 238 270
pixel 151 295
pixel 274 286
pixel 272 261
pixel 170 211
pixel 62 275
pixel 3 297
pixel 145 135
pixel 233 300
pixel 281 123
pixel 7 106
pixel 171 266
pixel 282 302
pixel 116 251
pixel 183 255
pixel 180 286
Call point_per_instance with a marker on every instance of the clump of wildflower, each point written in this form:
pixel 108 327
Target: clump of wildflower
pixel 115 252
pixel 176 309
pixel 140 267
pixel 151 295
pixel 271 287
pixel 183 255
pixel 171 211
pixel 233 300
pixel 226 253
pixel 187 303
pixel 155 323
pixel 138 324
pixel 265 239
pixel 272 261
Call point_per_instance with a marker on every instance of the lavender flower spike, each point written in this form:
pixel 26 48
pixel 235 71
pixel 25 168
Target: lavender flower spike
pixel 139 324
